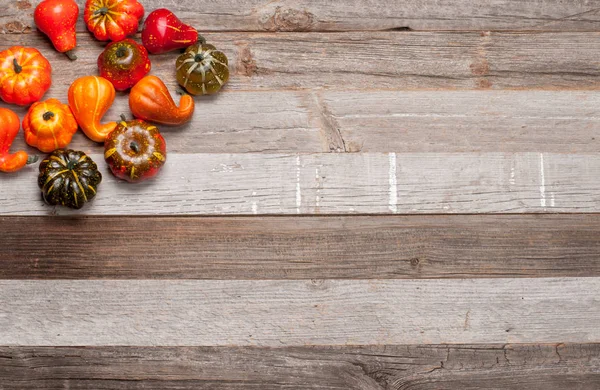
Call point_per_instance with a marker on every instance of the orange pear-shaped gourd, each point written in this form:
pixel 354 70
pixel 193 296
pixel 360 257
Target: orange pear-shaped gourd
pixel 151 101
pixel 89 99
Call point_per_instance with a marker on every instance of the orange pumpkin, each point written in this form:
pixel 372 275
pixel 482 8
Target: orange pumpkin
pixel 150 100
pixel 89 98
pixel 49 125
pixel 25 75
pixel 9 127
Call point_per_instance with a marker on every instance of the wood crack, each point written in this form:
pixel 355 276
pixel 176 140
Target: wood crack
pixel 330 129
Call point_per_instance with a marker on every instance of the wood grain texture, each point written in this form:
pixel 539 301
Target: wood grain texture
pixel 285 96
pixel 392 367
pixel 467 121
pixel 336 183
pixel 399 247
pixel 370 60
pixel 240 122
pixel 382 121
pixel 297 313
pixel 352 15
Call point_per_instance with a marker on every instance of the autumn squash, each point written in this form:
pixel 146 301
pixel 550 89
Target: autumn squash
pixel 202 69
pixel 9 127
pixel 89 99
pixel 124 63
pixel 151 101
pixel 57 19
pixel 164 32
pixel 135 150
pixel 68 178
pixel 25 75
pixel 49 125
pixel 112 19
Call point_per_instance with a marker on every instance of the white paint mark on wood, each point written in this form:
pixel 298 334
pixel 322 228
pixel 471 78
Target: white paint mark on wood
pixel 254 204
pixel 431 183
pixel 226 167
pixel 542 182
pixel 298 189
pixel 512 174
pixel 318 181
pixel 552 200
pixel 393 183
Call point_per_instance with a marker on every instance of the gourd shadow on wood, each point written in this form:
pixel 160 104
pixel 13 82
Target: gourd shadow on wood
pixel 97 46
pixel 119 107
pixel 130 187
pixel 30 170
pixel 201 111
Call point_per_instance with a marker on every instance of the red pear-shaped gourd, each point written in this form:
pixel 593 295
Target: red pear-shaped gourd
pixel 163 32
pixel 57 19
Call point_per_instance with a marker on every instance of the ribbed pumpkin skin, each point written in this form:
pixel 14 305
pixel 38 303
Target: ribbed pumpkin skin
pixel 49 132
pixel 26 75
pixel 68 178
pixel 202 69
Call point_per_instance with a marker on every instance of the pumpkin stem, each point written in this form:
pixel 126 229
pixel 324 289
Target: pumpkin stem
pixel 201 39
pixel 70 55
pixel 134 146
pixel 32 159
pixel 18 68
pixel 123 118
pixel 121 51
pixel 48 115
pixel 101 11
pixel 199 57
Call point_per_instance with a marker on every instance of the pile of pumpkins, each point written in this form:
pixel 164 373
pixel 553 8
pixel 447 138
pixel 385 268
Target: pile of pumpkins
pixel 134 150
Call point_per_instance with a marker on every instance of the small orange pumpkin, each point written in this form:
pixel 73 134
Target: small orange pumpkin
pixel 25 74
pixel 49 125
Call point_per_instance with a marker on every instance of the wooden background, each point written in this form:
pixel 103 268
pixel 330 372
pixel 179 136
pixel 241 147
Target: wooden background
pixel 387 195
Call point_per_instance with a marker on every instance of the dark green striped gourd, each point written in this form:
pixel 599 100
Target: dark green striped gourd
pixel 68 178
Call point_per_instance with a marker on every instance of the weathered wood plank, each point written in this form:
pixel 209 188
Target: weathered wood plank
pixel 383 121
pixel 467 121
pixel 336 183
pixel 371 60
pixel 240 122
pixel 460 367
pixel 297 313
pixel 399 247
pixel 351 15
